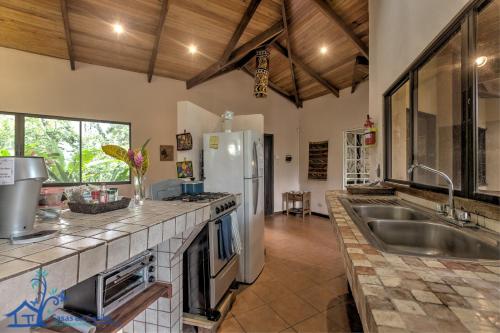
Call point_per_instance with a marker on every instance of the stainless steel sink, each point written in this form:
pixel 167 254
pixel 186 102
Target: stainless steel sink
pixel 431 239
pixel 386 212
pixel 404 228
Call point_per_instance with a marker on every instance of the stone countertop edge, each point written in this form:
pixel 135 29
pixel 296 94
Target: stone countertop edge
pixel 172 216
pixel 410 293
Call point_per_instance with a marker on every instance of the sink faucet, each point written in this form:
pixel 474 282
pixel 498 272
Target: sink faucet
pixel 452 213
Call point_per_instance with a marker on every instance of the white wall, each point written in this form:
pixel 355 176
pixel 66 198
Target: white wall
pixel 399 31
pixel 42 85
pixel 326 118
pixel 197 121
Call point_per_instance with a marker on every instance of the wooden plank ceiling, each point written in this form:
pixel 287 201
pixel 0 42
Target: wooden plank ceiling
pixel 158 33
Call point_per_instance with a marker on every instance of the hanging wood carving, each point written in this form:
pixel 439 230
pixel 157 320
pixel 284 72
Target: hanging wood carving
pixel 261 73
pixel 318 160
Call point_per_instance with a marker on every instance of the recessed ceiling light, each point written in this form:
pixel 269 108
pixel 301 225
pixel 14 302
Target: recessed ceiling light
pixel 118 28
pixel 481 61
pixel 192 49
pixel 323 50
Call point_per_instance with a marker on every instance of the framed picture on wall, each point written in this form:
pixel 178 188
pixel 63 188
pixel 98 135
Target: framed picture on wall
pixel 184 141
pixel 185 169
pixel 166 153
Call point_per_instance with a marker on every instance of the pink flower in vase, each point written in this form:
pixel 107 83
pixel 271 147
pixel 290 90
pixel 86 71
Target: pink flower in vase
pixel 138 159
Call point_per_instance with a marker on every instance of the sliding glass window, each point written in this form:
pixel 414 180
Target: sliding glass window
pixel 439 115
pixel 71 147
pixel 487 68
pixel 444 111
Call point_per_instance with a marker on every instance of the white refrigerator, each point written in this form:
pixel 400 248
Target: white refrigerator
pixel 234 162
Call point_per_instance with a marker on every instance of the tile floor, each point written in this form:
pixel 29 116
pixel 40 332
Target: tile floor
pixel 303 287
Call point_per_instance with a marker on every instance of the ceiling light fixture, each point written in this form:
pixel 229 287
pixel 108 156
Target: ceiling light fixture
pixel 323 50
pixel 481 61
pixel 118 28
pixel 192 49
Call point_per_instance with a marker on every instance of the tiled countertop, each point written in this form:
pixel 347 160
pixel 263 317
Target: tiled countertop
pixel 100 241
pixel 399 293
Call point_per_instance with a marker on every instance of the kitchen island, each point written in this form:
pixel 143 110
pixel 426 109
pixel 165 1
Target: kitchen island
pixel 89 244
pixel 402 293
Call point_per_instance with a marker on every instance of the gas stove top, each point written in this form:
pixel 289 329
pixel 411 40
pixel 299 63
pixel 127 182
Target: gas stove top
pixel 203 197
pixel 221 203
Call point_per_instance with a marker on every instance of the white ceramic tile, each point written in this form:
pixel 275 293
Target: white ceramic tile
pixel 56 241
pixel 15 267
pixel 199 216
pixel 118 251
pixel 26 250
pixel 138 242
pixel 164 259
pixel 92 262
pixel 206 213
pixel 168 229
pixel 84 244
pixel 162 329
pixel 141 316
pixel 129 328
pixel 164 246
pixel 151 328
pixel 180 224
pixel 164 318
pixel 139 327
pixel 110 235
pixel 190 220
pixel 16 290
pixel 175 244
pixel 155 235
pixel 55 253
pixel 151 316
pixel 164 304
pixel 163 274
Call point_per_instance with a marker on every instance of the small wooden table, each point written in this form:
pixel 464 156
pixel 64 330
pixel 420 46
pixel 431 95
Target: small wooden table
pixel 303 197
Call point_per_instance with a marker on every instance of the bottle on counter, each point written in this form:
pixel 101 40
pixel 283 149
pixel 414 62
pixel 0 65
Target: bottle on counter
pixel 103 194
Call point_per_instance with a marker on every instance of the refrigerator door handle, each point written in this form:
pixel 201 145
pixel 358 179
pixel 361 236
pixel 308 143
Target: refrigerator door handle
pixel 255 185
pixel 255 161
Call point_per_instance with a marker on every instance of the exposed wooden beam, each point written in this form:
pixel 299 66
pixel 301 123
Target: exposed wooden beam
pixel 325 7
pixel 277 89
pixel 290 57
pixel 247 16
pixel 67 33
pixel 297 61
pixel 360 66
pixel 159 32
pixel 236 55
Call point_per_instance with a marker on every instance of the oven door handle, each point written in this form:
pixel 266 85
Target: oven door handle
pixel 219 239
pixel 124 274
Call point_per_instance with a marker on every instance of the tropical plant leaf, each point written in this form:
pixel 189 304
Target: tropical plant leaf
pixel 145 163
pixel 116 152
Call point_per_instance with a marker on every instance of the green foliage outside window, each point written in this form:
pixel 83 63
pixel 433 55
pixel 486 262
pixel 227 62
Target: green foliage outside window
pixel 70 156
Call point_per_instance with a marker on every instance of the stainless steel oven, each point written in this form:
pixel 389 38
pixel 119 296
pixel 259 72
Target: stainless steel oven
pixel 102 293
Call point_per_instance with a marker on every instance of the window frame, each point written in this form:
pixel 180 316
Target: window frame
pixel 465 23
pixel 19 142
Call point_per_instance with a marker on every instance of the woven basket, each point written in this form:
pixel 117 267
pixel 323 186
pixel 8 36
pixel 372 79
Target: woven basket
pixel 90 208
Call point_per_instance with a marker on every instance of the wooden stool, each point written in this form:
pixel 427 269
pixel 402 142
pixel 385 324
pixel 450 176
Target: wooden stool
pixel 303 197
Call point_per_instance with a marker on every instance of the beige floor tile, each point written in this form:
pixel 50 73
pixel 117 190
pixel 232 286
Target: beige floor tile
pixel 261 320
pixel 230 325
pixel 270 290
pixel 316 324
pixel 319 297
pixel 293 309
pixel 245 301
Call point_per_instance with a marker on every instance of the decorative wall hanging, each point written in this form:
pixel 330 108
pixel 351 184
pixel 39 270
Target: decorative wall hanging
pixel 185 169
pixel 184 141
pixel 261 73
pixel 318 160
pixel 166 153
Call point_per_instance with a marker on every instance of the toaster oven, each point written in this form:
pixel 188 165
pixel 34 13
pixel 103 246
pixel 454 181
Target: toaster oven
pixel 100 294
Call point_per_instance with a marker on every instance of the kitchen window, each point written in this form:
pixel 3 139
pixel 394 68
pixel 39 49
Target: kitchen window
pixel 71 147
pixel 444 111
pixel 7 134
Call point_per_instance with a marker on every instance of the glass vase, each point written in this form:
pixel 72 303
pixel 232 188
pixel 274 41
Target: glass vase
pixel 139 190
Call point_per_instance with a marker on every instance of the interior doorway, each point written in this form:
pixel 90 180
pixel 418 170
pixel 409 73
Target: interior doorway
pixel 268 174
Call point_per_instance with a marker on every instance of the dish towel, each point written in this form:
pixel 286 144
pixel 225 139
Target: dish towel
pixel 236 232
pixel 226 237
